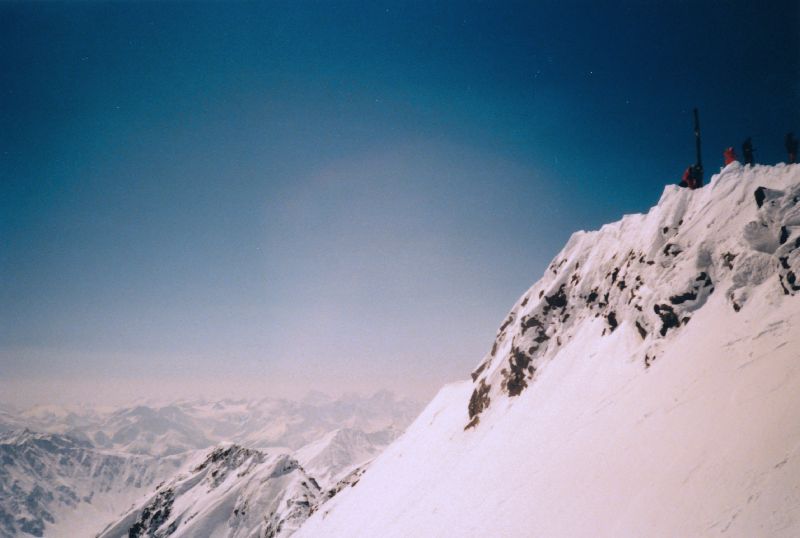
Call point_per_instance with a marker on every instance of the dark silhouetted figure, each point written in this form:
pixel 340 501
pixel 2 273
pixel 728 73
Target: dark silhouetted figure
pixel 791 147
pixel 747 152
pixel 730 155
pixel 687 177
pixel 691 178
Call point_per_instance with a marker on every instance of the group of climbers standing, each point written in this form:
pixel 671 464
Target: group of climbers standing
pixel 693 175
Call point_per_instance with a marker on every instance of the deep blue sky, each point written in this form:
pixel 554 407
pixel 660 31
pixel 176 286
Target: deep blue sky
pixel 244 197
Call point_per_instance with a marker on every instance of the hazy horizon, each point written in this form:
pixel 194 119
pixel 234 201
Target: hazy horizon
pixel 122 400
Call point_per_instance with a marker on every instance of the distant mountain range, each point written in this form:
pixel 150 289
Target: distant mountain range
pixel 71 471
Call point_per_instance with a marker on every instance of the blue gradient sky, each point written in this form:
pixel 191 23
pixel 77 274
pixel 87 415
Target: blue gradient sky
pixel 257 199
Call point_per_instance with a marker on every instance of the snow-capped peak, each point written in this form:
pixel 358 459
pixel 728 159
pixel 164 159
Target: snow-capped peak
pixel 645 386
pixel 652 272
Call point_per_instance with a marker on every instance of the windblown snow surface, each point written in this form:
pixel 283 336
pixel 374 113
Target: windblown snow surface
pixel 647 385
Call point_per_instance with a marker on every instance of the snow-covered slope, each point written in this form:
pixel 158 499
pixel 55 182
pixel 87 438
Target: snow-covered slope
pixel 647 385
pixel 232 492
pixel 240 492
pixel 46 478
pixel 338 453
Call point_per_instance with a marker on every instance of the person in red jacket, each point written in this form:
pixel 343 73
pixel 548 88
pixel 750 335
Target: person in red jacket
pixel 687 177
pixel 729 155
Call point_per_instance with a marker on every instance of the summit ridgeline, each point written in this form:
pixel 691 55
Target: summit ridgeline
pixel 650 274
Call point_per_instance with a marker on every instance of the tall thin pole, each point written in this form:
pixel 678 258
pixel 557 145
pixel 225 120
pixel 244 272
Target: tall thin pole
pixel 699 163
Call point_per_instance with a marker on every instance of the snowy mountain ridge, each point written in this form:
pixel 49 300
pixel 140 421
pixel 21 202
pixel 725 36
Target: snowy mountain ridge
pixel 238 492
pixel 645 386
pixel 232 491
pixel 174 427
pixel 46 478
pixel 651 271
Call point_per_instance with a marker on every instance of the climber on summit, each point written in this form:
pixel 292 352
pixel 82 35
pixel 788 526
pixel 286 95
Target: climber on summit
pixel 791 147
pixel 693 175
pixel 747 152
pixel 729 155
pixel 689 179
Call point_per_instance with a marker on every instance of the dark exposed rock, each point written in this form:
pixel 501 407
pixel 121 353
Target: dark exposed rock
pixel 516 376
pixel 480 369
pixel 506 323
pixel 34 527
pixel 727 259
pixel 702 281
pixel 558 299
pixel 791 279
pixel 678 299
pixel 704 278
pixel 669 320
pixel 350 480
pixel 784 234
pixel 760 196
pixel 642 330
pixel 612 321
pixel 155 514
pixel 592 296
pixel 785 291
pixel 530 322
pixel 477 403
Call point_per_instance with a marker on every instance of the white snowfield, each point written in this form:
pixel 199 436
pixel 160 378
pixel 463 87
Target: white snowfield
pixel 648 385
